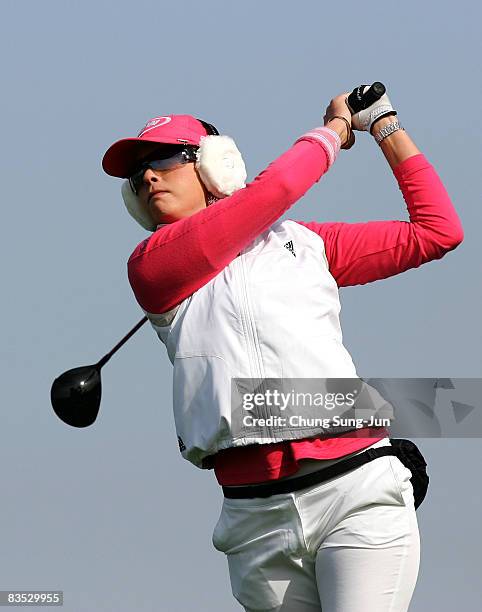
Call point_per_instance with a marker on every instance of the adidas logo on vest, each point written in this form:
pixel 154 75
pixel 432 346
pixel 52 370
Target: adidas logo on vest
pixel 289 246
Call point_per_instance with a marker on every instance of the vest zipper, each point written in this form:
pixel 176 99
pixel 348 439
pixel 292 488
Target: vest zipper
pixel 254 353
pixel 251 335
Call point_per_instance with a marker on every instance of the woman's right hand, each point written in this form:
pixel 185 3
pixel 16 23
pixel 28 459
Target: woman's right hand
pixel 338 107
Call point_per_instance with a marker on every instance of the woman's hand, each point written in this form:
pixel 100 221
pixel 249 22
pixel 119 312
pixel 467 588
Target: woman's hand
pixel 338 107
pixel 365 119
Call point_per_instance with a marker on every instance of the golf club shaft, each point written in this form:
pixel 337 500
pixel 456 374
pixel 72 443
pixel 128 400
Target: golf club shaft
pixel 106 357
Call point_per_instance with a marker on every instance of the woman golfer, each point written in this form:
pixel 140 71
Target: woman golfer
pixel 235 294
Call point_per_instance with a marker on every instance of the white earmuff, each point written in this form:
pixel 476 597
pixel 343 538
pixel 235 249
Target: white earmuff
pixel 220 165
pixel 135 208
pixel 221 169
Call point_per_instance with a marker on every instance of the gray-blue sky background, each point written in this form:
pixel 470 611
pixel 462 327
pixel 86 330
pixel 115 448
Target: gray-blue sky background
pixel 112 515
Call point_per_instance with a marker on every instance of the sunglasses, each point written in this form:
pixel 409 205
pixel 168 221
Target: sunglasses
pixel 161 160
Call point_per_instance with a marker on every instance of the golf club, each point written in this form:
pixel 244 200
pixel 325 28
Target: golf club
pixel 75 394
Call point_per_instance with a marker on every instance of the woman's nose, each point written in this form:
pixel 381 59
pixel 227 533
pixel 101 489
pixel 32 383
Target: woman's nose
pixel 150 176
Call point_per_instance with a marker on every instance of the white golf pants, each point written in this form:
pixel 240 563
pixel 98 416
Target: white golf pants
pixel 350 544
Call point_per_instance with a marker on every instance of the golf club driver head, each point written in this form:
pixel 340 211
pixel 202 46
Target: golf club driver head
pixel 75 395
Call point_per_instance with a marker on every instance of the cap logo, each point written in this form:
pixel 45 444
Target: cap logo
pixel 154 123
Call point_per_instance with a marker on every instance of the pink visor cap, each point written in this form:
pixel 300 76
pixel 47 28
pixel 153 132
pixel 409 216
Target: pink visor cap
pixel 121 157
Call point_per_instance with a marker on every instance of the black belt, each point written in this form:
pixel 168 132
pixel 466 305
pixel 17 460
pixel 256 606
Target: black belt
pixel 307 480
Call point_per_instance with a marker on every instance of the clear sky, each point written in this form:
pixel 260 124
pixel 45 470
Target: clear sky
pixel 112 515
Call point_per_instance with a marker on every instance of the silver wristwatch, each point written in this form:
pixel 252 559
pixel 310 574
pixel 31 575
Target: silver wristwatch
pixel 387 130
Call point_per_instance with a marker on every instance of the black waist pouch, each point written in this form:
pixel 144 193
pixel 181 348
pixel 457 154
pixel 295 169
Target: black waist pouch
pixel 411 457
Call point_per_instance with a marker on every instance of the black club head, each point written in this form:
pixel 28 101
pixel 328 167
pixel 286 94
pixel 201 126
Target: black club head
pixel 76 394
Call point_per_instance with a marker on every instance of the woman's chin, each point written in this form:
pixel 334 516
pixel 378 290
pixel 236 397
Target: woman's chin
pixel 164 216
pixel 170 211
pixel 159 214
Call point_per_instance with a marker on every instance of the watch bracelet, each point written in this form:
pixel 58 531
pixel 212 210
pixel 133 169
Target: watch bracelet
pixel 387 130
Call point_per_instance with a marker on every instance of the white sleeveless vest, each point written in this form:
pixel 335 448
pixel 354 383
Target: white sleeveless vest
pixel 273 312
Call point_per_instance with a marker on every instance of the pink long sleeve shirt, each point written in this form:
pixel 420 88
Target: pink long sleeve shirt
pixel 179 258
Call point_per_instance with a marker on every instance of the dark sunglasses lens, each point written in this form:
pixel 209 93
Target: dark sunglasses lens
pixel 167 162
pixel 161 160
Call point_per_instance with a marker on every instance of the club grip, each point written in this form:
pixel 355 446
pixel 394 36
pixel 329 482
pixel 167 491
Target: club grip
pixel 358 100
